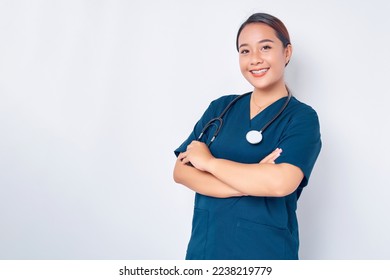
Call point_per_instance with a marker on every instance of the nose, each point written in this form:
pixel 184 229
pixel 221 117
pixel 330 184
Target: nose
pixel 256 58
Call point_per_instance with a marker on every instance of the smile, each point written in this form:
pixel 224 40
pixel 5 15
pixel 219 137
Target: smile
pixel 260 71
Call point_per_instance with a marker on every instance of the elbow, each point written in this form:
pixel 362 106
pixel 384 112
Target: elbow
pixel 178 174
pixel 283 188
pixel 274 187
pixel 286 181
pixel 282 192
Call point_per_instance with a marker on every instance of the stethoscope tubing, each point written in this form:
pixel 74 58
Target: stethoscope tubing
pixel 220 117
pixel 278 114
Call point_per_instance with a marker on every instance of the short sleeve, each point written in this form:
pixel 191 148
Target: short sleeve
pixel 301 142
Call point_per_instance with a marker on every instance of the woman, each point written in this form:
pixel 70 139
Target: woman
pixel 246 193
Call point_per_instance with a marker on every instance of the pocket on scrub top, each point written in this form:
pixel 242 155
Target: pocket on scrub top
pixel 197 245
pixel 257 241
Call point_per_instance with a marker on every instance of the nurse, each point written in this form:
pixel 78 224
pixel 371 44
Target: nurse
pixel 246 194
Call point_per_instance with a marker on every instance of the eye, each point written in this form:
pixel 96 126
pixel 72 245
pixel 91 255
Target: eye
pixel 244 51
pixel 266 48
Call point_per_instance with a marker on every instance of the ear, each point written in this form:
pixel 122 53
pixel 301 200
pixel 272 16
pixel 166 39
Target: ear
pixel 288 53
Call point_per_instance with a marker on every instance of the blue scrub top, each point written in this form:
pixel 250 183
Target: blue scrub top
pixel 252 227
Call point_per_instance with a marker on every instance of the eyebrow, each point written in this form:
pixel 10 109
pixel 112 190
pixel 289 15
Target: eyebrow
pixel 259 42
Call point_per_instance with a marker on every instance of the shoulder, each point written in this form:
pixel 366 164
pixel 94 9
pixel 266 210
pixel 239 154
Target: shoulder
pixel 301 115
pixel 299 109
pixel 224 100
pixel 219 104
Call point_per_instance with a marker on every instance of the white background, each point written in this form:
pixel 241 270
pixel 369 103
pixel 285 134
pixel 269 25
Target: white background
pixel 96 95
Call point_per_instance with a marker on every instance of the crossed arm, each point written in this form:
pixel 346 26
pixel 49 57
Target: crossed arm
pixel 224 178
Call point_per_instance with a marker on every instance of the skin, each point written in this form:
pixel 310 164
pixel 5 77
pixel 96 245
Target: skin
pixel 259 49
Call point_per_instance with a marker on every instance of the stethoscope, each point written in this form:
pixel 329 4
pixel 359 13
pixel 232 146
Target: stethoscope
pixel 253 136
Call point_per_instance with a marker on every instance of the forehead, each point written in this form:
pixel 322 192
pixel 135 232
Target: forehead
pixel 256 32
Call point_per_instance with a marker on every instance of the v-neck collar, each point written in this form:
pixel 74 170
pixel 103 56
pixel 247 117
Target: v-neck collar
pixel 262 112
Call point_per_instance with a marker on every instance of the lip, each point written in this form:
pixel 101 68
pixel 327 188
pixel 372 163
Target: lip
pixel 259 72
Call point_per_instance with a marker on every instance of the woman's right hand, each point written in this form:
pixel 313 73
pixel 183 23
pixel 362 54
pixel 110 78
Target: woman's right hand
pixel 272 156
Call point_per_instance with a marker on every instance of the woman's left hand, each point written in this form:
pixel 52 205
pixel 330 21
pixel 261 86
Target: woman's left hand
pixel 198 154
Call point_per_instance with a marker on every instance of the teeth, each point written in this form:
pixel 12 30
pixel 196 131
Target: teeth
pixel 259 71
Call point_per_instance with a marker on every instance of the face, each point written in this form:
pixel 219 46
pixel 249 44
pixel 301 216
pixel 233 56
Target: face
pixel 262 56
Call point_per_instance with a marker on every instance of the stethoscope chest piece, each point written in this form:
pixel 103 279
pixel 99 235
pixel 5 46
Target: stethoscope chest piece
pixel 254 136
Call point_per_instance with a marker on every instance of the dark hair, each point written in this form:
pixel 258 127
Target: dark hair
pixel 273 22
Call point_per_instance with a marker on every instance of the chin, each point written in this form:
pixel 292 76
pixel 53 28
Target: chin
pixel 263 86
pixel 266 85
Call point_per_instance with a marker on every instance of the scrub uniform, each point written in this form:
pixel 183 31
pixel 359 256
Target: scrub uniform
pixel 252 227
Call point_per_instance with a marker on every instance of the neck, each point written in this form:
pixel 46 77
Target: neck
pixel 263 98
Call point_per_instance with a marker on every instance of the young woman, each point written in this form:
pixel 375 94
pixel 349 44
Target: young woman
pixel 247 183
